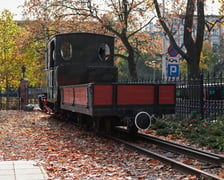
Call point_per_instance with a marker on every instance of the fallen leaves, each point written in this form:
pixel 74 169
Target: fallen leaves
pixel 188 162
pixel 66 152
pixel 154 162
pixel 221 175
pixel 170 136
pixel 51 148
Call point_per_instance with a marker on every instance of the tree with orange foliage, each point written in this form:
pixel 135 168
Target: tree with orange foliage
pixel 124 19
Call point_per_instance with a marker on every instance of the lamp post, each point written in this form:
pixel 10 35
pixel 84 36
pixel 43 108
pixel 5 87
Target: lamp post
pixel 163 47
pixel 45 33
pixel 154 71
pixel 23 70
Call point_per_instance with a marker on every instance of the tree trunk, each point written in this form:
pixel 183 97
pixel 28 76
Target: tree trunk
pixel 132 67
pixel 194 80
pixel 193 67
pixel 193 45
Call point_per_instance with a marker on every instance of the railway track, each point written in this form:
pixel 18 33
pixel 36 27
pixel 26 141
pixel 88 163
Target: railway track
pixel 212 159
pixel 215 159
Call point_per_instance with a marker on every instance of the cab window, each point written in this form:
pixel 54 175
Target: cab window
pixel 104 52
pixel 51 54
pixel 66 51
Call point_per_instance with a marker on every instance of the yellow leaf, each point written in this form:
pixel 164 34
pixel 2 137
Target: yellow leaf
pixel 51 148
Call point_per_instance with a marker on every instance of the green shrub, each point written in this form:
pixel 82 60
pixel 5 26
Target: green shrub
pixel 202 132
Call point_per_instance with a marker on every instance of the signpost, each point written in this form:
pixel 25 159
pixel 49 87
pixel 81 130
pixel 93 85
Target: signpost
pixel 173 63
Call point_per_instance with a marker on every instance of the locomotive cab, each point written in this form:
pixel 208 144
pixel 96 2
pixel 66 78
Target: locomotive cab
pixel 77 58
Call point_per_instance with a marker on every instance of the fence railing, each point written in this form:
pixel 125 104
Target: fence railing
pixel 203 96
pixel 12 101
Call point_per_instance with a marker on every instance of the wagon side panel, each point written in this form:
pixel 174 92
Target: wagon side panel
pixel 166 98
pixel 135 94
pixel 77 98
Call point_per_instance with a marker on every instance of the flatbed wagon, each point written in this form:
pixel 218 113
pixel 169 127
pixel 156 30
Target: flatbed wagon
pixel 123 101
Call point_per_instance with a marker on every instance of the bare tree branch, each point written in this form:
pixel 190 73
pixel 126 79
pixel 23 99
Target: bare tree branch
pixel 168 32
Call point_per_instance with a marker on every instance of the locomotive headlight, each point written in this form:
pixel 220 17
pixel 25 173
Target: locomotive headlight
pixel 143 120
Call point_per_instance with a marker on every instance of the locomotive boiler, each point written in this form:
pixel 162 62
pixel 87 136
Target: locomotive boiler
pixel 82 81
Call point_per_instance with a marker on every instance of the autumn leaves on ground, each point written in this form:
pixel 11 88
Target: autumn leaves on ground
pixel 66 152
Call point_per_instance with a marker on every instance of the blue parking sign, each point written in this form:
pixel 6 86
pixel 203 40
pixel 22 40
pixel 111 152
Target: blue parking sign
pixel 173 70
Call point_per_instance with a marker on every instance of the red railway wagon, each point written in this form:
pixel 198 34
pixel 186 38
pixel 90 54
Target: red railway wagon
pixel 121 101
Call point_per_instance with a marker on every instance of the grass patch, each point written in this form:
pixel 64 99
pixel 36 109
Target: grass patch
pixel 202 132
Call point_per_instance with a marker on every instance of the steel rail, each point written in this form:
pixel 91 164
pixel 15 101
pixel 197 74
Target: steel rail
pixel 183 149
pixel 174 164
pixel 204 156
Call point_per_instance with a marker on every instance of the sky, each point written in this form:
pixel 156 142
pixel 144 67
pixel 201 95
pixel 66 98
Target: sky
pixel 13 7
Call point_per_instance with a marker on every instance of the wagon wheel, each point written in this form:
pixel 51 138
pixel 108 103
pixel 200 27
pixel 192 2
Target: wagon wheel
pixel 83 121
pixel 102 124
pixel 132 129
pixel 96 124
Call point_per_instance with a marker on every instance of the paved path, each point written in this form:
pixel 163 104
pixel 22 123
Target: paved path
pixel 21 170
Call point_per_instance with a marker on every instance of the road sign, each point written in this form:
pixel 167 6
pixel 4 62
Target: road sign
pixel 172 52
pixel 173 60
pixel 173 70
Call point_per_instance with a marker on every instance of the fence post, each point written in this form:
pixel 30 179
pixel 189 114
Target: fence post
pixel 23 92
pixel 202 95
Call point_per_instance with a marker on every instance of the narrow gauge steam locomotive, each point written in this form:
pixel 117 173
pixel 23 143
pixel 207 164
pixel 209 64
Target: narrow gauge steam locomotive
pixel 81 80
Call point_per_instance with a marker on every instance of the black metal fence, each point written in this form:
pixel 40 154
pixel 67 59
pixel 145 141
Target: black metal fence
pixel 203 96
pixel 11 99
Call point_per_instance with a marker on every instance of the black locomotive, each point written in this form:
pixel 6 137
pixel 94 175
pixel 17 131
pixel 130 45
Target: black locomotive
pixel 81 80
